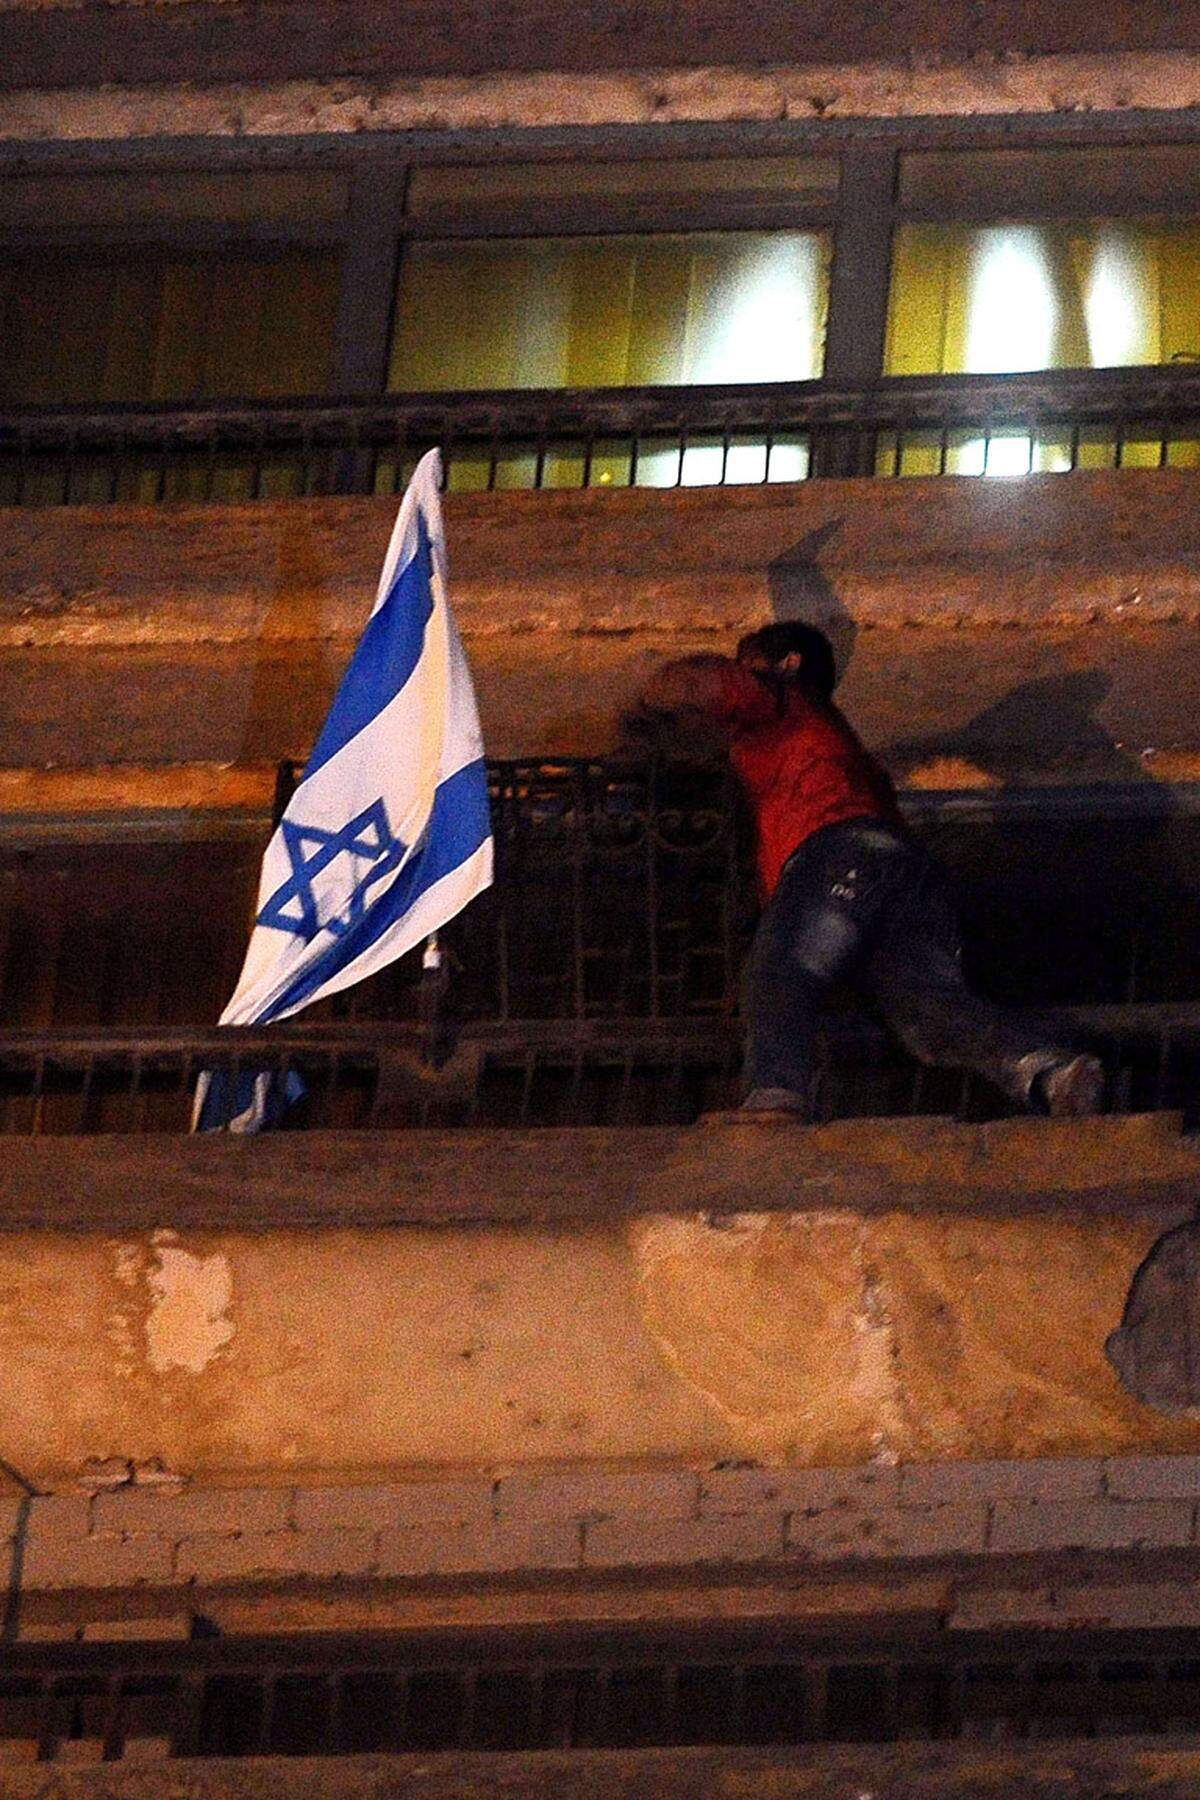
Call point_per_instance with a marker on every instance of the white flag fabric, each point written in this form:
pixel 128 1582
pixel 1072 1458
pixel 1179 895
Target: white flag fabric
pixel 388 835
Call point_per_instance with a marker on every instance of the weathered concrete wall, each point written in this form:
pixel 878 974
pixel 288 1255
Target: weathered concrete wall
pixel 50 69
pixel 60 47
pixel 947 1319
pixel 1042 629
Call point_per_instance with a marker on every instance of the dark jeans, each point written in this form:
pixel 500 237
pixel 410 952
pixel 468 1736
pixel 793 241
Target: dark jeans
pixel 859 903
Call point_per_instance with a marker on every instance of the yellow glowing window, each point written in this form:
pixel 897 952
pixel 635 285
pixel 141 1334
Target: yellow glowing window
pixel 621 311
pixel 1078 293
pixel 151 326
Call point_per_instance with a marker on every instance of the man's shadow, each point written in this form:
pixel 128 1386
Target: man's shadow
pixel 800 590
pixel 1052 716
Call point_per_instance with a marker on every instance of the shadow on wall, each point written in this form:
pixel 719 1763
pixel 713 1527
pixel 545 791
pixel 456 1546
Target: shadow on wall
pixel 1051 718
pixel 282 714
pixel 800 589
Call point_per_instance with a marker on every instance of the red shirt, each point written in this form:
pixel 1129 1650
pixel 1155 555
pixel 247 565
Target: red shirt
pixel 802 768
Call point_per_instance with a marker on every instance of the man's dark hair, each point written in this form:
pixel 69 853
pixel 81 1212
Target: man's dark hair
pixel 772 643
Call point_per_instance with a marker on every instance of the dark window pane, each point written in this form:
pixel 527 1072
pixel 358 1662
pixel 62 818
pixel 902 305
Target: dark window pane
pixel 148 326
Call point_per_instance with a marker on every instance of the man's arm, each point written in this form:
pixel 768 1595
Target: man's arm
pixel 691 705
pixel 714 686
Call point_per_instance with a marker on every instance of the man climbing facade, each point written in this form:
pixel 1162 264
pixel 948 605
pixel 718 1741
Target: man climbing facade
pixel 849 895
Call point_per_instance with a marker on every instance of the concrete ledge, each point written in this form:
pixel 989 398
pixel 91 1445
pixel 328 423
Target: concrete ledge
pixel 1167 1769
pixel 1122 1164
pixel 313 1307
pixel 577 1519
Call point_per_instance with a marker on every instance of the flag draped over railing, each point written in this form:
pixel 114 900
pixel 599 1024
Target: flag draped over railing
pixel 387 836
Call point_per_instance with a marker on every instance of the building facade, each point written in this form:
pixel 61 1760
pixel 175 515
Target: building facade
pixel 521 1421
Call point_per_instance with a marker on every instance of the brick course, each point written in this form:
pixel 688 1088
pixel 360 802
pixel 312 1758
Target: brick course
pixel 395 1505
pixel 1153 1477
pixel 1091 1525
pixel 250 1554
pixel 180 1514
pixel 1038 1477
pixel 736 1537
pixel 841 1532
pixel 96 1562
pixel 461 1550
pixel 600 1494
pixel 606 1518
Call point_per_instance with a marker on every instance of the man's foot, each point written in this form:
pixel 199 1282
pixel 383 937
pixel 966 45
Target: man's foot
pixel 1074 1089
pixel 773 1100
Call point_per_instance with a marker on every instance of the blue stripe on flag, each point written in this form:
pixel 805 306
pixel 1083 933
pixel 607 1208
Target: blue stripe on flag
pixel 387 654
pixel 458 823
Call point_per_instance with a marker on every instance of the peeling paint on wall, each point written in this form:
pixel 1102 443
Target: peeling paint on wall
pixel 187 1324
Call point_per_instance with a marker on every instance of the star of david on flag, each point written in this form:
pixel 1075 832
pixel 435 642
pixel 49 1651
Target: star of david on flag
pixel 367 840
pixel 388 834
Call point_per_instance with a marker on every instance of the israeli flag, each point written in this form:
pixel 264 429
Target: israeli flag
pixel 388 835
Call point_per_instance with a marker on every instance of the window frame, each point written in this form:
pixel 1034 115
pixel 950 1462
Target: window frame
pixel 372 232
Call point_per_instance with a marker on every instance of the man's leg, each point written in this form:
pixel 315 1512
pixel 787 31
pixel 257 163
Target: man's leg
pixel 915 974
pixel 810 935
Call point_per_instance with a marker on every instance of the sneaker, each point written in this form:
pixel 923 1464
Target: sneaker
pixel 1074 1089
pixel 774 1100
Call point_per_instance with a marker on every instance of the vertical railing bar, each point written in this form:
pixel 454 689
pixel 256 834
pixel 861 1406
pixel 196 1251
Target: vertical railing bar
pixel 1164 1058
pixel 39 1093
pixel 466 1718
pixel 669 1691
pixel 400 1706
pixel 736 1718
pixel 537 1692
pixel 815 1704
pixel 603 1700
pixel 634 452
pixel 268 1706
pixel 528 1072
pixel 113 1736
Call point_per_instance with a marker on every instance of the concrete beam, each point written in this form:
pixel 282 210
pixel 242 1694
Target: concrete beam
pixel 51 46
pixel 897 1290
pixel 1132 1767
pixel 1123 1165
pixel 1041 629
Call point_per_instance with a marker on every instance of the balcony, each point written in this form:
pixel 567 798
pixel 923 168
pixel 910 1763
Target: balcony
pixel 597 983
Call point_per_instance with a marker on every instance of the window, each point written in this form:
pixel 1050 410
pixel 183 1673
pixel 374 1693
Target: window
pixel 148 325
pixel 1027 260
pixel 995 298
pixel 621 311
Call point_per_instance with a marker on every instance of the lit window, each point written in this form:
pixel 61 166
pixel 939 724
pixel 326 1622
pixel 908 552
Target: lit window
pixel 979 299
pixel 621 311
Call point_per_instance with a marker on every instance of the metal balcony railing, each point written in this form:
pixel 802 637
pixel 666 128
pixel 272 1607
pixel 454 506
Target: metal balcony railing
pixel 536 1073
pixel 572 1689
pixel 605 437
pixel 597 982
